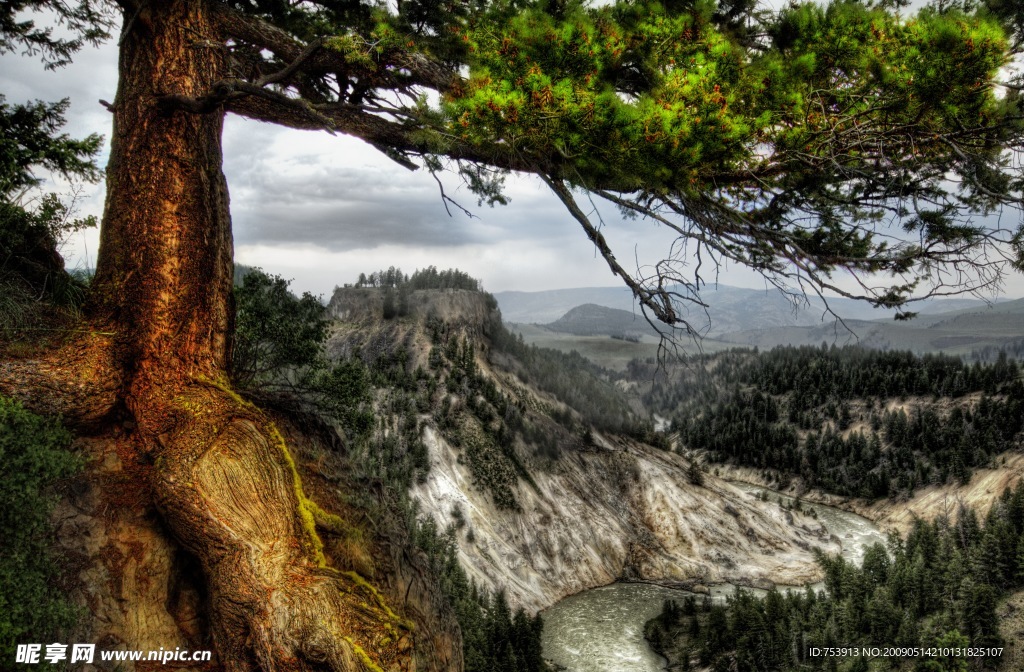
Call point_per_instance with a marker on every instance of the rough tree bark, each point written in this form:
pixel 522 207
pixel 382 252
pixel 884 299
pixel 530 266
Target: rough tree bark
pixel 153 377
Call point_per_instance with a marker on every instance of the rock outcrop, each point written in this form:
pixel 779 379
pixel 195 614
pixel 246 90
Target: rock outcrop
pixel 607 508
pixel 621 511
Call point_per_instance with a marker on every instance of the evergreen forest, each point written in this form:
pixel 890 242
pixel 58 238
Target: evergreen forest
pixel 850 421
pixel 937 587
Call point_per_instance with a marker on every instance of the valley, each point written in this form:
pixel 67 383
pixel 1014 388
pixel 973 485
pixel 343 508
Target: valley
pixel 590 498
pixel 587 319
pixel 600 507
pixel 525 498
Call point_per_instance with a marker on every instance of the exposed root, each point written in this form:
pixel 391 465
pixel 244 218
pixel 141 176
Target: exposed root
pixel 227 488
pixel 78 381
pixel 223 481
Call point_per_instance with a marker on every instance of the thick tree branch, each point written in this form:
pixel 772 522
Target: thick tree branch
pixel 419 69
pixel 256 31
pixel 293 67
pixel 231 89
pixel 348 119
pixel 398 140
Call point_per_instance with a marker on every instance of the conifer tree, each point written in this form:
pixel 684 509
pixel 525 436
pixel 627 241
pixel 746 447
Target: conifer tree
pixel 779 140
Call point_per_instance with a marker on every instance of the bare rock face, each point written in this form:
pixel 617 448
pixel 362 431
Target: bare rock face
pixel 606 509
pixel 624 510
pixel 475 312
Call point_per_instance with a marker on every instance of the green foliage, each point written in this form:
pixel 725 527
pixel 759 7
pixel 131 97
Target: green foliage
pixel 485 425
pixel 426 278
pixel 493 469
pixel 343 392
pixel 30 138
pixel 398 287
pixel 655 96
pixel 949 640
pixel 786 141
pixel 83 22
pixel 823 374
pixel 694 473
pixel 937 587
pixel 30 264
pixel 241 271
pixel 275 331
pixel 32 227
pixel 493 638
pixel 550 84
pixel 34 452
pixel 279 354
pixel 395 454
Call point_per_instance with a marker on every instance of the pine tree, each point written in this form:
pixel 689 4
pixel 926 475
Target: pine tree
pixel 748 133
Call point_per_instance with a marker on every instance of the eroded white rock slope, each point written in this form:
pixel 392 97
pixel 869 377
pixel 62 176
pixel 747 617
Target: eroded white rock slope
pixel 622 510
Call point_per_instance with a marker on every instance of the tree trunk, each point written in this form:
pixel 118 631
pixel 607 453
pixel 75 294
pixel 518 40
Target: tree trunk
pixel 164 270
pixel 212 466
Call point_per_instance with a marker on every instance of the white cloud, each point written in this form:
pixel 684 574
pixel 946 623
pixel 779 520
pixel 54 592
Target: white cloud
pixel 322 209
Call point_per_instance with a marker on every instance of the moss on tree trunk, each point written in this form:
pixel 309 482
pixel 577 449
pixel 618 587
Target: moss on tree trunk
pixel 152 378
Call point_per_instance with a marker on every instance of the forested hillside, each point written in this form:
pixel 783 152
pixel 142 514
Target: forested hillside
pixel 851 421
pixel 936 588
pixel 377 402
pixel 497 426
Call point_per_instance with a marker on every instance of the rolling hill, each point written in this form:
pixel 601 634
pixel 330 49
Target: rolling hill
pixel 730 309
pixel 752 318
pixel 958 332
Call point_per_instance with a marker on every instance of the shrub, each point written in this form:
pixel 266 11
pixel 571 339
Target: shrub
pixel 276 332
pixel 34 454
pixel 279 358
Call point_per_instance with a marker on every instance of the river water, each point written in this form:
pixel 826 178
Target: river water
pixel 601 630
pixel 856 533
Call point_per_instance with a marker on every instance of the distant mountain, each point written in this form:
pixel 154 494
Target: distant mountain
pixel 594 320
pixel 956 332
pixel 548 306
pixel 730 309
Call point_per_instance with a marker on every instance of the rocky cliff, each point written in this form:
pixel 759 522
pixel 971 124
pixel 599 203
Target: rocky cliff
pixel 593 508
pixel 621 511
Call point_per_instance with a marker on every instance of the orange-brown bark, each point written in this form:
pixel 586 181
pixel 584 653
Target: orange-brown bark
pixel 214 466
pixel 164 269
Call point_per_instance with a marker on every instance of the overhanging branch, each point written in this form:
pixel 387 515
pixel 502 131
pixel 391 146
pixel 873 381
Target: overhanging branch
pixel 659 300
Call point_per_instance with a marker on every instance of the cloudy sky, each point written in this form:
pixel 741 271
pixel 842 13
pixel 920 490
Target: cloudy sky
pixel 321 209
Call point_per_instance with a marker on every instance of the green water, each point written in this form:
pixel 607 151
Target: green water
pixel 601 630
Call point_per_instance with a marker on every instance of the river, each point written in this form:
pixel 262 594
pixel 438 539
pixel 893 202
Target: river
pixel 601 630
